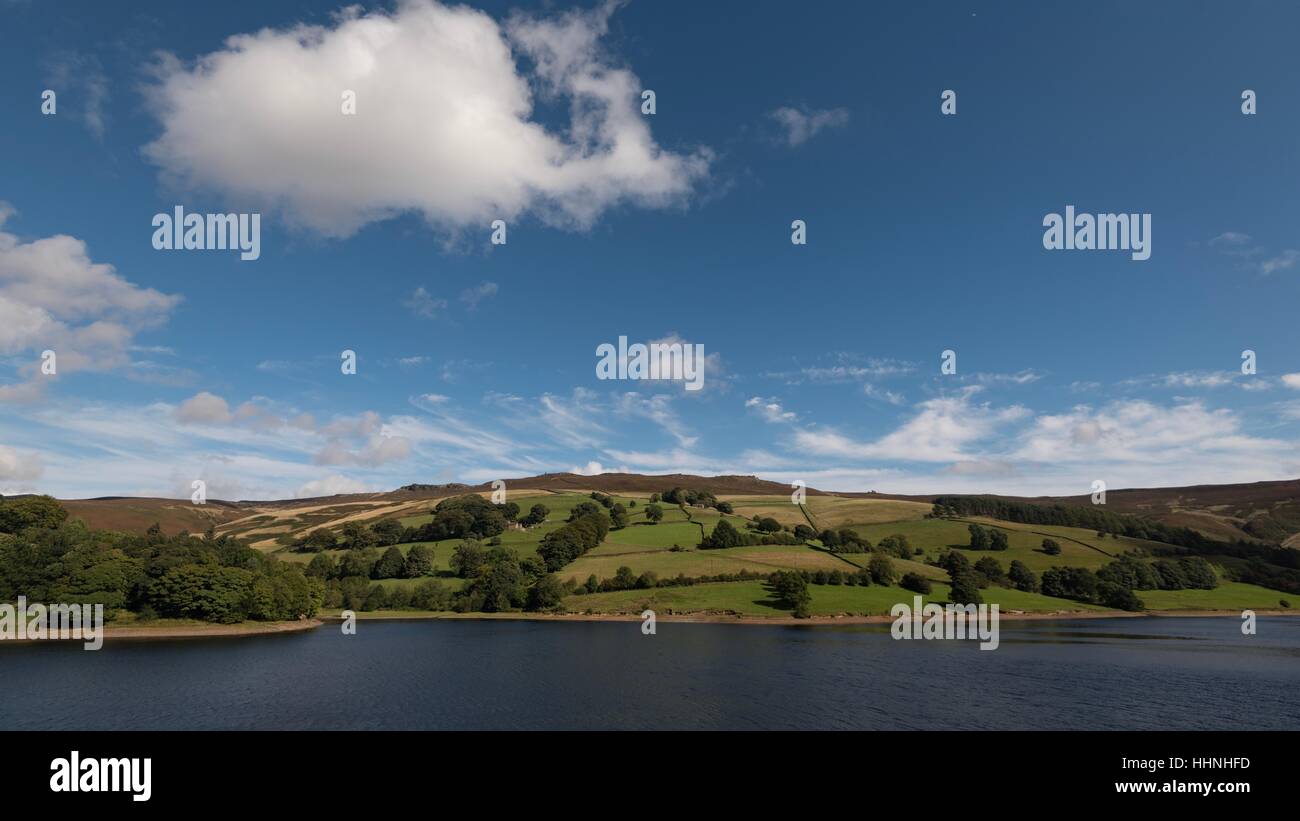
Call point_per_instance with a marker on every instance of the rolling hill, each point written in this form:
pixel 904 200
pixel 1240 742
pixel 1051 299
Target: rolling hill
pixel 1259 511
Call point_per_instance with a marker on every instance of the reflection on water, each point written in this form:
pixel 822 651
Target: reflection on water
pixel 1137 673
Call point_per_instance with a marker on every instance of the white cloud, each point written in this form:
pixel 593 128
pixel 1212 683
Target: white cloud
pixel 444 122
pixel 1230 238
pixel 802 125
pixel 471 297
pixel 19 466
pixel 892 397
pixel 374 451
pixel 330 486
pixel 204 408
pixel 771 410
pixel 1213 379
pixel 848 370
pixel 1291 380
pixel 658 408
pixel 423 304
pixel 1025 377
pixel 52 296
pixel 82 88
pixel 1140 432
pixel 940 432
pixel 1281 262
pixel 595 469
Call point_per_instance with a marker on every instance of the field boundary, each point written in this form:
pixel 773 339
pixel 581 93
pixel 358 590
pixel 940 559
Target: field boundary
pixel 1040 533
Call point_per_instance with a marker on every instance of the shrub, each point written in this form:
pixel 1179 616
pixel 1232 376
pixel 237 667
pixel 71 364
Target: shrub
pixel 916 583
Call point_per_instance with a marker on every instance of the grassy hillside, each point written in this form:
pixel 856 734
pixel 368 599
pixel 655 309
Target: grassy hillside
pixel 675 574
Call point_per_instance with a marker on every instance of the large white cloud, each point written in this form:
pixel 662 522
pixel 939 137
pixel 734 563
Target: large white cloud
pixel 444 125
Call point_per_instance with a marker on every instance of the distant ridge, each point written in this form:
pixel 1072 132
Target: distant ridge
pixel 1267 511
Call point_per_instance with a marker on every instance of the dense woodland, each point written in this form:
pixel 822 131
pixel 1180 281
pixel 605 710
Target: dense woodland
pixel 47 558
pixel 1267 565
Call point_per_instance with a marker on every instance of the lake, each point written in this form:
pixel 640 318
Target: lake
pixel 1137 673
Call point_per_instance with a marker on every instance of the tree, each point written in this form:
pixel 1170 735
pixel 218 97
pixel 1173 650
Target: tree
pixel 618 516
pixel 768 525
pixel 467 558
pixel 1051 547
pixel 965 588
pixel 1119 597
pixel 559 547
pixel 356 563
pixel 654 513
pixel 419 561
pixel 357 535
pixel 791 590
pixel 546 594
pixel 916 583
pixel 583 509
pixel 318 540
pixel 896 545
pixel 804 533
pixel 44 512
pixel 322 566
pixel 998 539
pixel 499 583
pixel 430 595
pixel 1199 573
pixel 536 515
pixel 882 569
pixel 387 532
pixel 376 598
pixel 724 535
pixel 392 565
pixel 953 561
pixel 979 537
pixel 989 568
pixel 725 507
pixel 624 578
pixel 1021 577
pixel 510 511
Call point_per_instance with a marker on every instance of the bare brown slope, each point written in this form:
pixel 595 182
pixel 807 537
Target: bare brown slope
pixel 136 515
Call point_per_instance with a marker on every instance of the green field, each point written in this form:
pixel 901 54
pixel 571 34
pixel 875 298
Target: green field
pixel 645 547
pixel 936 535
pixel 1227 596
pixel 754 599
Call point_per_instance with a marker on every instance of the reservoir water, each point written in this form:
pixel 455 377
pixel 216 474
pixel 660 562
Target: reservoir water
pixel 1137 673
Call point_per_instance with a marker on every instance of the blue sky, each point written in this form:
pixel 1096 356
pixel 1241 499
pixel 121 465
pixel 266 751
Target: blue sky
pixel 477 361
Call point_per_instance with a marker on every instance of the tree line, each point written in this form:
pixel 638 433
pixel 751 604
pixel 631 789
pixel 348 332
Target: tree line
pixel 46 557
pixel 1262 564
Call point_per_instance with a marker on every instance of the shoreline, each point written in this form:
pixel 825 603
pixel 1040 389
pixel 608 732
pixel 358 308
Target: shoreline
pixel 190 631
pixel 815 621
pixel 243 629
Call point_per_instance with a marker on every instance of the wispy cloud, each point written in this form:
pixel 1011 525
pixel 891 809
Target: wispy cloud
pixel 422 303
pixel 801 125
